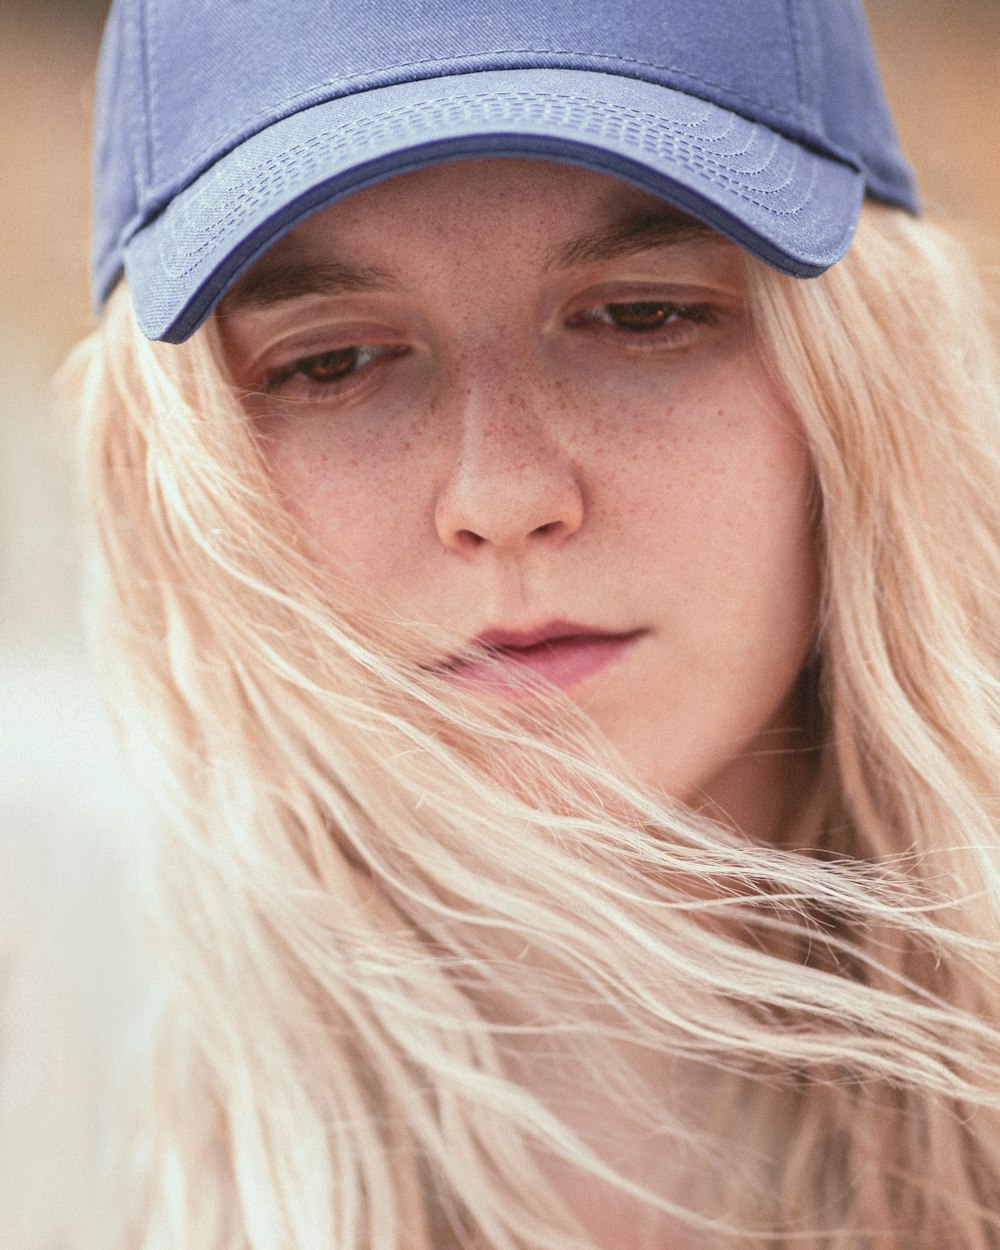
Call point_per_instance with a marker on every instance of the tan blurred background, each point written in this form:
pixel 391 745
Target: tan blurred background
pixel 66 990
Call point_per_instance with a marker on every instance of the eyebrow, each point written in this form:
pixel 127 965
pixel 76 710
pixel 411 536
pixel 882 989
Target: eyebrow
pixel 631 234
pixel 281 280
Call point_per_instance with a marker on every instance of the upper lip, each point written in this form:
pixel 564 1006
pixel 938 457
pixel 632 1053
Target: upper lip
pixel 498 640
pixel 552 631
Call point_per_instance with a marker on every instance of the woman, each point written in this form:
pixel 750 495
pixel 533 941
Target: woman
pixel 551 554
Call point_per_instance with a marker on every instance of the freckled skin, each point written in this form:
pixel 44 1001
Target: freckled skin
pixel 514 465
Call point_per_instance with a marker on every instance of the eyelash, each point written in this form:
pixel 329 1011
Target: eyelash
pixel 668 318
pixel 663 319
pixel 352 356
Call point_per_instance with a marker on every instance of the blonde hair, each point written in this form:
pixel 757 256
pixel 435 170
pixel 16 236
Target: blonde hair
pixel 368 892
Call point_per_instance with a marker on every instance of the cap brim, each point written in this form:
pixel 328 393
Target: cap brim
pixel 795 209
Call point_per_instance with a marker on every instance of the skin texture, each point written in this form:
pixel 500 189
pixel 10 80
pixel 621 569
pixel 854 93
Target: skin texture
pixel 505 393
pixel 501 394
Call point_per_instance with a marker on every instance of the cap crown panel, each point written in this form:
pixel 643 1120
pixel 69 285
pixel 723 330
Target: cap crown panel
pixel 231 67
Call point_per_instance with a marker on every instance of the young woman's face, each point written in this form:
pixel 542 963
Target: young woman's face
pixel 522 401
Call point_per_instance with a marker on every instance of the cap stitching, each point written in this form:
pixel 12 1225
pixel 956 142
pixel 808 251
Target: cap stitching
pixel 139 67
pixel 623 111
pixel 152 72
pixel 793 26
pixel 402 65
pixel 716 175
pixel 710 168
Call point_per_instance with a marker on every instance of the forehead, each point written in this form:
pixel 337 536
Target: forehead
pixel 503 182
pixel 549 215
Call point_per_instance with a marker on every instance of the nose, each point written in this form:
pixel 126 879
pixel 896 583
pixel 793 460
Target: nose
pixel 512 483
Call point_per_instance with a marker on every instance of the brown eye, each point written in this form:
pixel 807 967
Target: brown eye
pixel 640 316
pixel 329 366
pixel 317 378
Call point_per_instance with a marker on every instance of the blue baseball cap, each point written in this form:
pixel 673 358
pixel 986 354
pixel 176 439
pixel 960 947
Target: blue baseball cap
pixel 222 124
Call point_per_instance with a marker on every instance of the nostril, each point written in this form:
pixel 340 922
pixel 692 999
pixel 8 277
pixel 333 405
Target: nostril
pixel 550 527
pixel 469 538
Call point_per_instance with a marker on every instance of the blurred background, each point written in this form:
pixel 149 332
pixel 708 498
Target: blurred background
pixel 68 988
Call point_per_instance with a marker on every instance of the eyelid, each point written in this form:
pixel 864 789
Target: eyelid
pixel 645 289
pixel 304 343
pixel 291 375
pixel 261 341
pixel 651 290
pixel 687 315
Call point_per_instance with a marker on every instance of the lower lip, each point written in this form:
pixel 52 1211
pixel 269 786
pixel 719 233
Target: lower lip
pixel 563 662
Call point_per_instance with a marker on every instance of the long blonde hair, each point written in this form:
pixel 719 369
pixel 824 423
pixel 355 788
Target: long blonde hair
pixel 367 892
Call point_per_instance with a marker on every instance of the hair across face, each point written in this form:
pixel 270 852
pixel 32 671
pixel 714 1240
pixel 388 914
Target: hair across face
pixel 382 881
pixel 537 418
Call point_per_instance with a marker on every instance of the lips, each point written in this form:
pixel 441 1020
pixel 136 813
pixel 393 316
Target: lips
pixel 559 653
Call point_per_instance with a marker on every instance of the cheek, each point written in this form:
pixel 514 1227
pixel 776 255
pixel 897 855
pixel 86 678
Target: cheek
pixel 357 505
pixel 726 481
pixel 748 511
pixel 722 507
pixel 728 567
